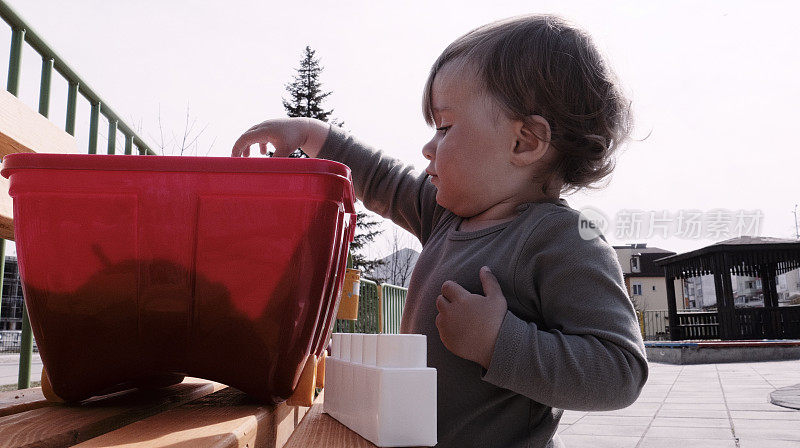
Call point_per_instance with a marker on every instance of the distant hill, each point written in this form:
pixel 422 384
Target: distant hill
pixel 396 268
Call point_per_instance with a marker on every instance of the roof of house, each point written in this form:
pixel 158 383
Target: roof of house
pixel 642 248
pixel 647 267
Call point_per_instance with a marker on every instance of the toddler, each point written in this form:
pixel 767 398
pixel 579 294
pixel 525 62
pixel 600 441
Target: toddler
pixel 524 317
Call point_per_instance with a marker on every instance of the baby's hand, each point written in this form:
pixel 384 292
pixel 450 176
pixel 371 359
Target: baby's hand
pixel 469 323
pixel 286 135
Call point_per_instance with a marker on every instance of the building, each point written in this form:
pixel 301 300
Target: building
pixel 643 279
pixel 11 305
pixel 699 292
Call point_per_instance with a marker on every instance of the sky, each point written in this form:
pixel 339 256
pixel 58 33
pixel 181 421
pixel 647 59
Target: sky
pixel 713 87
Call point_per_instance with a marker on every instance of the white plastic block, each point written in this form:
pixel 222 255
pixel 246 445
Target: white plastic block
pixel 402 350
pixel 345 350
pixel 336 345
pixel 356 343
pixel 369 349
pixel 332 373
pixel 390 404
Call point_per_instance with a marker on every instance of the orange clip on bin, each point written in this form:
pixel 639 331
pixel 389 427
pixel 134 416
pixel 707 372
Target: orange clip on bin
pixel 138 270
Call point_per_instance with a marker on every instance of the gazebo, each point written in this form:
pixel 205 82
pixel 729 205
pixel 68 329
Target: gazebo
pixel 762 257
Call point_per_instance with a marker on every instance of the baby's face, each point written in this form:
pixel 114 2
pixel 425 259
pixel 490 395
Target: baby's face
pixel 470 153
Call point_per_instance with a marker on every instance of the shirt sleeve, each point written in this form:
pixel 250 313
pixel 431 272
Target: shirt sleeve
pixel 587 352
pixel 386 185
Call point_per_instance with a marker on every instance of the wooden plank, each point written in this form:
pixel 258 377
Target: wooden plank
pixel 228 418
pixel 16 401
pixel 319 430
pixel 61 425
pixel 24 130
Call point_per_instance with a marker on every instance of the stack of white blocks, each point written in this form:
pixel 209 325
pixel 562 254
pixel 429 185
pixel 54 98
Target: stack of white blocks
pixel 379 386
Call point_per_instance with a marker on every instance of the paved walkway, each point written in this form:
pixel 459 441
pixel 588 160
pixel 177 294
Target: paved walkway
pixel 707 405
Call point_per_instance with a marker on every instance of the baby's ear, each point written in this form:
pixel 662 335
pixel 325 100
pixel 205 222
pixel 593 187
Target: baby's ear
pixel 533 140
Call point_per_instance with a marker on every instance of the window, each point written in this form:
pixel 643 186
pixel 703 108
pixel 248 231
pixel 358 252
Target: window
pixel 654 288
pixel 635 263
pixel 637 289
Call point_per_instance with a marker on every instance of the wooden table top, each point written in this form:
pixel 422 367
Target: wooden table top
pixel 194 414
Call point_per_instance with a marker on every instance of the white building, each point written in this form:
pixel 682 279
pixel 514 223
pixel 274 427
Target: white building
pixel 644 280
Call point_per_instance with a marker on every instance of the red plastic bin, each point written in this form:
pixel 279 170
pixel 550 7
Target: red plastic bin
pixel 134 267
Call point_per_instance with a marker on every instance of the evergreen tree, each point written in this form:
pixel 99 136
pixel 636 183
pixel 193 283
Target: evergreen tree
pixel 306 97
pixel 305 92
pixel 366 231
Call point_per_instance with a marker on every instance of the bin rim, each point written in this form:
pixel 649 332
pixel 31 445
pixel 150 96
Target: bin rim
pixel 109 162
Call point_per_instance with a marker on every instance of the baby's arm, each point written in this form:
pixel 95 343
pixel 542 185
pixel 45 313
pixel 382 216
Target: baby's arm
pixel 385 185
pixel 591 356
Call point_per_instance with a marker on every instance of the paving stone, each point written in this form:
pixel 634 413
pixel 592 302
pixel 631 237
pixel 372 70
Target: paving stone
pixel 685 432
pixel 757 407
pixel 592 419
pixel 694 400
pixel 669 442
pixel 692 422
pixel 744 423
pixel 692 413
pixel 766 415
pixel 698 406
pixel 580 441
pixel 571 417
pixel 606 430
pixel 761 443
pixel 769 434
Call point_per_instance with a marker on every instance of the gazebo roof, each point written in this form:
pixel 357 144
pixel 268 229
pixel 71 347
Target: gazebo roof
pixel 743 255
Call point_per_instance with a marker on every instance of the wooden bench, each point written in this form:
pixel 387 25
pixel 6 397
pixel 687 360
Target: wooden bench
pixel 193 414
pixel 24 130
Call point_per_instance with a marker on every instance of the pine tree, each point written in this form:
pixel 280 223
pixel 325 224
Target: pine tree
pixel 306 97
pixel 366 231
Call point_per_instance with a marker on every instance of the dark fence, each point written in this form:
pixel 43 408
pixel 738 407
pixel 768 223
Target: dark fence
pixel 698 325
pixel 749 323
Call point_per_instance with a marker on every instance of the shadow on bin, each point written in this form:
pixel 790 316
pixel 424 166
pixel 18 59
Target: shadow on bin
pixel 92 339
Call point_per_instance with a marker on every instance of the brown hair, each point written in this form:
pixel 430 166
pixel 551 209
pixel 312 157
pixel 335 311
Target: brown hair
pixel 543 65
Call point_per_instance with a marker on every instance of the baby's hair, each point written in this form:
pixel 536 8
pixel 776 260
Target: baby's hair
pixel 543 65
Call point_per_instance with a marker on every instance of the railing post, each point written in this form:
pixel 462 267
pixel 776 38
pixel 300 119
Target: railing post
pixel 93 123
pixel 25 351
pixel 112 135
pixel 15 60
pixel 14 64
pixel 128 144
pixel 672 311
pixel 44 86
pixel 72 99
pixel 380 308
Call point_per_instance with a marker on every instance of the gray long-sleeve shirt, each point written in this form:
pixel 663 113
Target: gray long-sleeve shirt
pixel 570 338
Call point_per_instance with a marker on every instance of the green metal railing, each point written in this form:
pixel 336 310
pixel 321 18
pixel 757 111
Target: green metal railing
pixel 20 33
pixel 393 300
pixel 380 308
